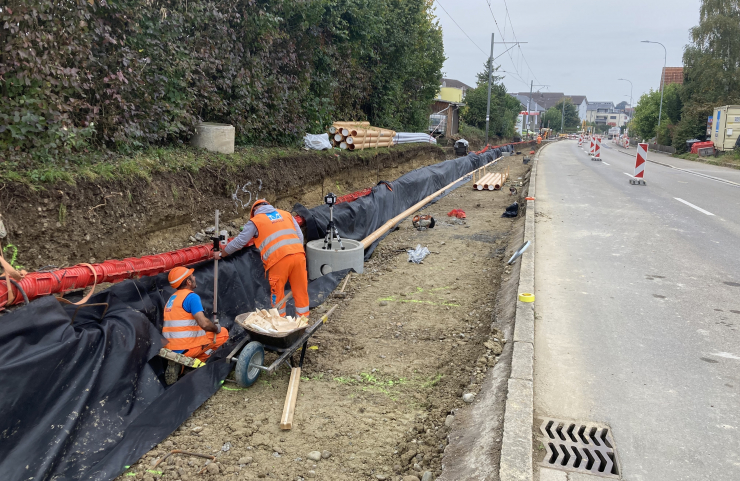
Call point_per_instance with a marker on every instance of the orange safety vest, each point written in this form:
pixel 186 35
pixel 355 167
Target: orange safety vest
pixel 276 237
pixel 180 327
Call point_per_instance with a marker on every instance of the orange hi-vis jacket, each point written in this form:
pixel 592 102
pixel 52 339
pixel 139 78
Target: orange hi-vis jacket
pixel 276 237
pixel 180 327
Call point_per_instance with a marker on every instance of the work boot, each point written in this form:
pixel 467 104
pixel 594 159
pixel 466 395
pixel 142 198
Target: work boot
pixel 172 373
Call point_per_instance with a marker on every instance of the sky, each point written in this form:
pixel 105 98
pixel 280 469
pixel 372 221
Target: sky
pixel 574 46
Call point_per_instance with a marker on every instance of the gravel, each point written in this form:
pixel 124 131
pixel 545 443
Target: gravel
pixel 314 455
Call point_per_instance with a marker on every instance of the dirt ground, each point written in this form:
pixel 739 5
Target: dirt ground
pixel 382 378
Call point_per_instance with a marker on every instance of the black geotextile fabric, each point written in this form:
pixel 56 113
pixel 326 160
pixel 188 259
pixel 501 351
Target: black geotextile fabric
pixel 83 390
pixel 360 218
pixel 84 399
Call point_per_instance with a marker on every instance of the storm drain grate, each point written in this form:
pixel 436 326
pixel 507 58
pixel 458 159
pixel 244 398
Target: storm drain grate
pixel 581 447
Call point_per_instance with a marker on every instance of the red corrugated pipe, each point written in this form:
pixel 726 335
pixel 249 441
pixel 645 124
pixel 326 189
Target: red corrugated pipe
pixel 59 281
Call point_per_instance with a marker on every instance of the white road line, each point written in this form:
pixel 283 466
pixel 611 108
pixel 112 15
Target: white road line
pixel 693 206
pixel 726 355
pixel 604 163
pixel 628 175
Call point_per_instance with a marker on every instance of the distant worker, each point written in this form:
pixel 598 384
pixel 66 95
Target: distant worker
pixel 539 139
pixel 187 330
pixel 280 241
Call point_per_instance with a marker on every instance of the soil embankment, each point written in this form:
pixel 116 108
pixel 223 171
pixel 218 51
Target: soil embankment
pixel 384 378
pixel 93 221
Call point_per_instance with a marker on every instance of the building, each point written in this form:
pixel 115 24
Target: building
pixel 536 110
pixel 452 90
pixel 604 113
pixel 672 75
pixel 598 112
pixel 550 99
pixel 581 103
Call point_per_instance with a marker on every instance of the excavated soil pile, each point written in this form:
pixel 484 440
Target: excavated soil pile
pixel 382 378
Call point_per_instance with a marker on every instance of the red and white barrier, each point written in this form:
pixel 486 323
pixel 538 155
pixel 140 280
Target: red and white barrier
pixel 626 142
pixel 580 140
pixel 591 147
pixel 640 160
pixel 597 149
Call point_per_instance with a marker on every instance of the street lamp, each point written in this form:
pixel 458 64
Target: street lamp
pixel 662 78
pixel 631 106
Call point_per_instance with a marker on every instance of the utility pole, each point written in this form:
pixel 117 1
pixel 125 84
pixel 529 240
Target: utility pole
pixel 490 73
pixel 526 122
pixel 562 117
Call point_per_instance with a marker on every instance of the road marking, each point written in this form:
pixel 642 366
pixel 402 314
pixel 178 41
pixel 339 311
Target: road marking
pixel 604 163
pixel 695 207
pixel 726 355
pixel 628 175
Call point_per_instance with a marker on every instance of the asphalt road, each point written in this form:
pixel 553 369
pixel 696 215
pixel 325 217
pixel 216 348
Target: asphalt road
pixel 638 309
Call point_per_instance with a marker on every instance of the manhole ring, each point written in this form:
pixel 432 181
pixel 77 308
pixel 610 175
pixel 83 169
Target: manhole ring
pixel 583 447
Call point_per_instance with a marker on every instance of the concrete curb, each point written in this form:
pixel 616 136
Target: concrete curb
pixel 516 448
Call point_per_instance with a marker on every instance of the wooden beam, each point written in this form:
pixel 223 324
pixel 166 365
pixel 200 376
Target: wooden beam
pixel 286 422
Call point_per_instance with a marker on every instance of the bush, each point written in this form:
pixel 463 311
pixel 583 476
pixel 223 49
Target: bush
pixel 665 134
pixel 127 73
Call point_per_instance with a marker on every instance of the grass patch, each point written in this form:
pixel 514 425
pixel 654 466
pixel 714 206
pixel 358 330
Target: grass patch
pixel 111 166
pixel 724 159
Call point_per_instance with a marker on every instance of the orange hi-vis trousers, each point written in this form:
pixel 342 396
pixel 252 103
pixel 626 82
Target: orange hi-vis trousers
pixel 205 351
pixel 290 268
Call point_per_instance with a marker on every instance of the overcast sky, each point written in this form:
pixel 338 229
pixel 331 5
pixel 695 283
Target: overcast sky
pixel 575 46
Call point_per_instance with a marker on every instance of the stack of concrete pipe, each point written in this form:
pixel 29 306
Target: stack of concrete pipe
pixel 491 181
pixel 359 135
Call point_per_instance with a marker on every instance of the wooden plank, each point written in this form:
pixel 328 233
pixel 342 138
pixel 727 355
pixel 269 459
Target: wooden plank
pixel 286 422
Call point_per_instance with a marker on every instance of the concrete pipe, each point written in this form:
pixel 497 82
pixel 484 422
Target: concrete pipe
pixel 338 137
pixel 322 261
pixel 351 123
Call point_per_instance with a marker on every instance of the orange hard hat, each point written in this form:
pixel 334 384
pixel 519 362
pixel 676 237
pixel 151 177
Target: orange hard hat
pixel 256 204
pixel 178 275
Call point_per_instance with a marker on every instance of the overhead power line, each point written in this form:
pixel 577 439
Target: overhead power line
pixel 461 29
pixel 515 38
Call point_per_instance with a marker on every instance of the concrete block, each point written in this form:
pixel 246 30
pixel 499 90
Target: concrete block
pixel 552 475
pixel 516 448
pixel 583 477
pixel 214 137
pixel 522 363
pixel 524 322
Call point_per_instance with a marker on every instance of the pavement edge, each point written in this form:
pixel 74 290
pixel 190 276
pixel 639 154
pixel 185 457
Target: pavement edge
pixel 516 450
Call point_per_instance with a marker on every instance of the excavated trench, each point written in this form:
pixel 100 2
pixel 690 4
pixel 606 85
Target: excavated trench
pixel 381 393
pixel 93 221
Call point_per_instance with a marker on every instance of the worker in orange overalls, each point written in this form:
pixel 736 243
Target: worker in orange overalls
pixel 187 330
pixel 539 139
pixel 280 241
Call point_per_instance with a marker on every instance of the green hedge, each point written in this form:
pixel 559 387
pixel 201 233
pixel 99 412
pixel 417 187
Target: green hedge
pixel 77 75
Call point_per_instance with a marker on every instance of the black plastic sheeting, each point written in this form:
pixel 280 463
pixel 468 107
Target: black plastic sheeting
pixel 83 394
pixel 360 218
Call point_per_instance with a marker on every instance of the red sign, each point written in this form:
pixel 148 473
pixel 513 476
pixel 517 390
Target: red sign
pixel 530 113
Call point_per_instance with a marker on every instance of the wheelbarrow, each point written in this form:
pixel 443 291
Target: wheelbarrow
pixel 249 355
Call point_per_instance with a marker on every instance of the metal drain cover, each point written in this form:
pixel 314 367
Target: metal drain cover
pixel 580 447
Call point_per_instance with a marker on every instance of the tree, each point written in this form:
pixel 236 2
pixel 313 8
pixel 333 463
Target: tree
pixel 554 115
pixel 504 107
pixel 645 121
pixel 711 68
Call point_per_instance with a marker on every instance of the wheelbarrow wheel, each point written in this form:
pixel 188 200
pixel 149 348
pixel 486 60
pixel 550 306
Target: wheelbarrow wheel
pixel 246 372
